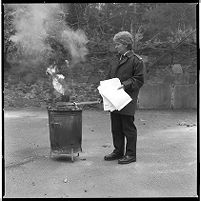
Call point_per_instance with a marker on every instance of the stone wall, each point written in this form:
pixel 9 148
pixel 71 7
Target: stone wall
pixel 184 96
pixel 162 96
pixel 170 87
pixel 153 96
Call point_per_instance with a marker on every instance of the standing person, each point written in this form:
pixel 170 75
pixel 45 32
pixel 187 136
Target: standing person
pixel 130 72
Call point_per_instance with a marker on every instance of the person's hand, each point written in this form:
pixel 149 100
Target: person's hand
pixel 121 87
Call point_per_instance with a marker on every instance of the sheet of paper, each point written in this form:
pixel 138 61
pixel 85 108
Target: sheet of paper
pixel 113 98
pixel 107 105
pixel 113 83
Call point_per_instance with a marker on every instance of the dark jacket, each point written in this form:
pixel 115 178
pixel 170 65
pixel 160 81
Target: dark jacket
pixel 130 72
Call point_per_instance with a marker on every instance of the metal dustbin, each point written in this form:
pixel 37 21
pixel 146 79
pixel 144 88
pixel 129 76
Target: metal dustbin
pixel 65 126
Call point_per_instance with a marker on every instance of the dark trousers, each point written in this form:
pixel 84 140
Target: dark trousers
pixel 123 127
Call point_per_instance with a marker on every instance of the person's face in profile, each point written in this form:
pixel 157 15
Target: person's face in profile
pixel 120 48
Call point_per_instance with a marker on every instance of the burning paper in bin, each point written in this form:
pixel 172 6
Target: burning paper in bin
pixel 58 82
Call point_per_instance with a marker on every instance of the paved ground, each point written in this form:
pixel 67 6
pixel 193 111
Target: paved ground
pixel 166 158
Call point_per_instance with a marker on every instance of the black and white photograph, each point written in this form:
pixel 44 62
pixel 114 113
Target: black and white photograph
pixel 100 100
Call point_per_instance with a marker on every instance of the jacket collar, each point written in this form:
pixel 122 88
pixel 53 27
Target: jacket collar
pixel 127 55
pixel 123 55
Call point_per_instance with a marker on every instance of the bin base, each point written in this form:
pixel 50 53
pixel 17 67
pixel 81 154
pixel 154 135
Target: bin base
pixel 54 153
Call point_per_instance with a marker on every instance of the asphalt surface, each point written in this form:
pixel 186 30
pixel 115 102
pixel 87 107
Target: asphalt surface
pixel 166 158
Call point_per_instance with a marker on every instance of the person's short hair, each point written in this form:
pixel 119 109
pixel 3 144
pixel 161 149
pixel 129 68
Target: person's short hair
pixel 125 38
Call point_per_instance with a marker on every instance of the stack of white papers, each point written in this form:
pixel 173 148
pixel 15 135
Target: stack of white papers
pixel 113 98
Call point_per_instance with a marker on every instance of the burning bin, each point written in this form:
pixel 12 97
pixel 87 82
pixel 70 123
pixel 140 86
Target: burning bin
pixel 65 126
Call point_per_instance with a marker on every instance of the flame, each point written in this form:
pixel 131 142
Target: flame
pixel 57 79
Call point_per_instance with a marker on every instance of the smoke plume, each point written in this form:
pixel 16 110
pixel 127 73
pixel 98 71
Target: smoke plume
pixel 35 22
pixel 75 41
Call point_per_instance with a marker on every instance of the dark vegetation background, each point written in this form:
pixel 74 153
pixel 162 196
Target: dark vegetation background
pixel 165 34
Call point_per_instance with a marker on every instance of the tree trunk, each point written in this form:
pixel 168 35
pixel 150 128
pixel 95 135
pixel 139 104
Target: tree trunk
pixel 133 24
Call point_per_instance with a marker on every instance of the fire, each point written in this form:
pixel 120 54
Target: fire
pixel 58 82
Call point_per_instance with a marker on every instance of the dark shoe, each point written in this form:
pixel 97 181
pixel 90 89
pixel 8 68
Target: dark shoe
pixel 127 159
pixel 113 156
